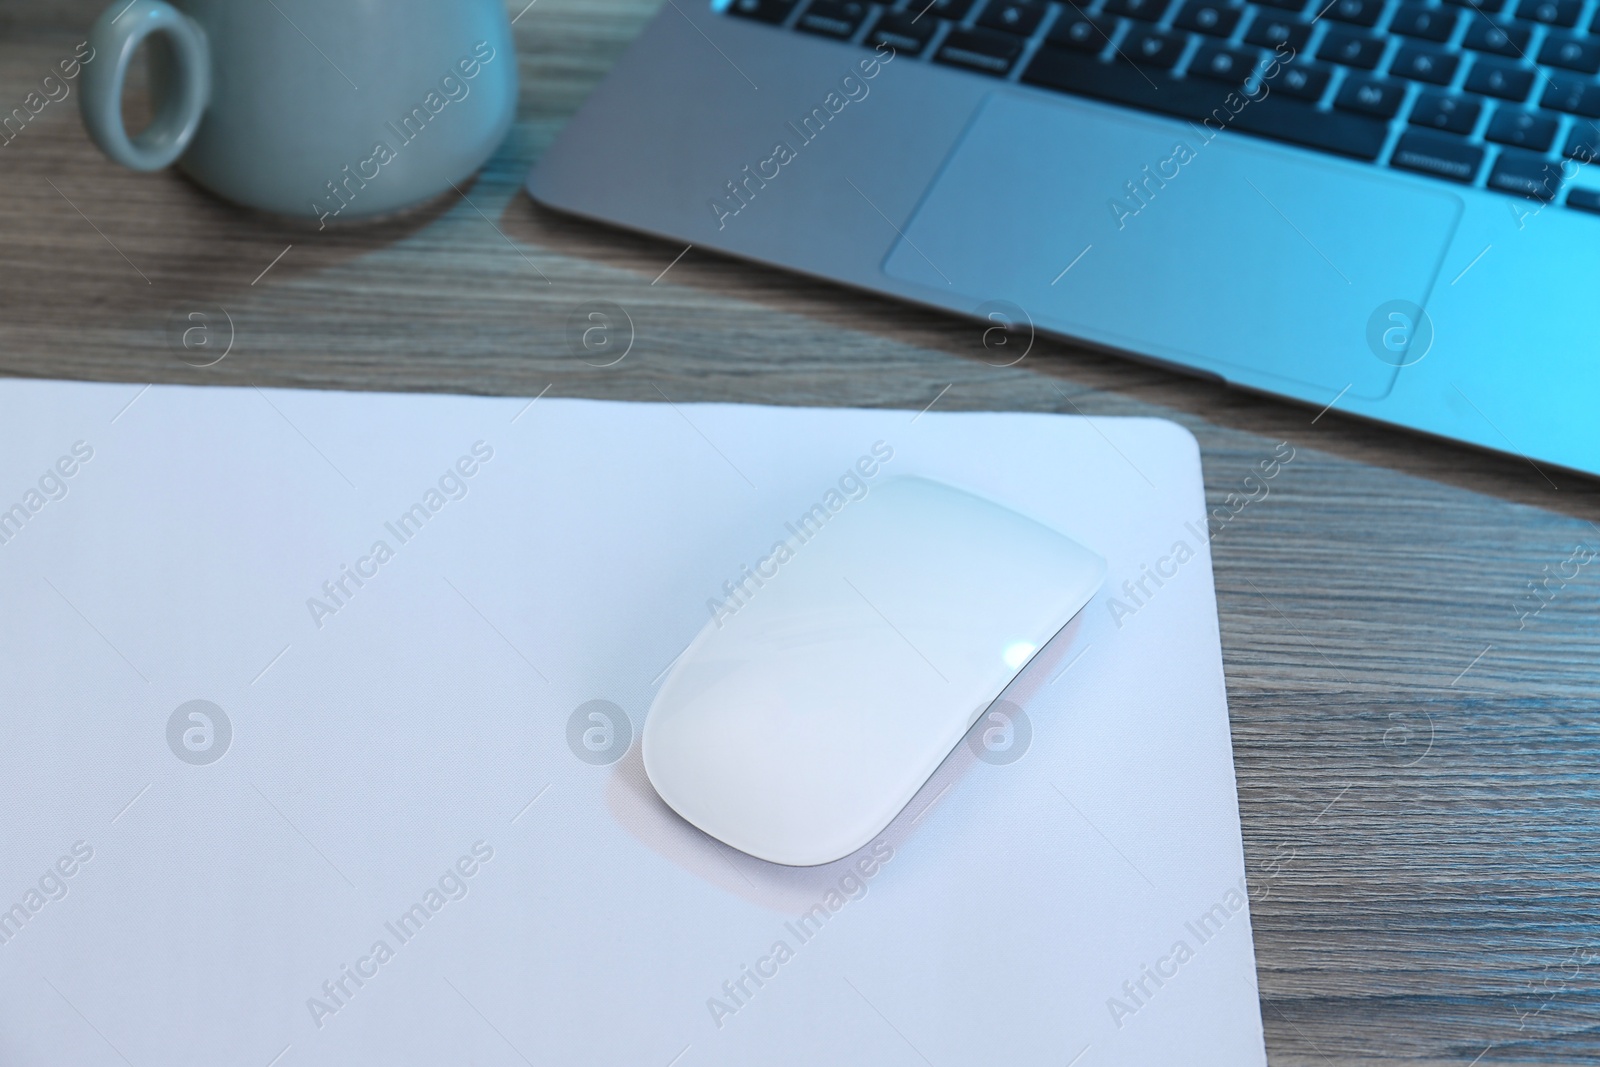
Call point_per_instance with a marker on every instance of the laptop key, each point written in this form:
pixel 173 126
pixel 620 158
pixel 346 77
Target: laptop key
pixel 829 18
pixel 988 51
pixel 1283 119
pixel 1086 33
pixel 1351 49
pixel 1223 63
pixel 1583 143
pixel 1573 53
pixel 773 11
pixel 1303 81
pixel 1526 175
pixel 1145 10
pixel 1219 62
pixel 1355 12
pixel 1550 12
pixel 1274 116
pixel 1499 79
pixel 1153 48
pixel 1203 16
pixel 1074 72
pixel 1442 111
pixel 1020 17
pixel 953 10
pixel 1486 36
pixel 1576 96
pixel 1269 31
pixel 1584 200
pixel 1429 23
pixel 1422 64
pixel 898 30
pixel 1521 129
pixel 1488 7
pixel 1437 154
pixel 1282 5
pixel 1370 96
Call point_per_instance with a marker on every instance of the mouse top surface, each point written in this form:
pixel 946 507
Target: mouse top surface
pixel 800 721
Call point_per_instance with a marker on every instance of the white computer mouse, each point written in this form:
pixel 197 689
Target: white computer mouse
pixel 806 715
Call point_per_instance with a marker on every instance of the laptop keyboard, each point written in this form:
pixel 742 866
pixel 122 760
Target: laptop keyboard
pixel 1497 94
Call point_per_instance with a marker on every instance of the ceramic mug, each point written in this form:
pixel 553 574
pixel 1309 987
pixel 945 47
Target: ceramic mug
pixel 322 109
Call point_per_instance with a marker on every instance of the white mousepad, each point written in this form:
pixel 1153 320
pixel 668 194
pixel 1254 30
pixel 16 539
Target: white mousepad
pixel 320 746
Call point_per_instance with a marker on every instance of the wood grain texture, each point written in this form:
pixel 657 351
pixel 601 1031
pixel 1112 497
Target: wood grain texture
pixel 1417 769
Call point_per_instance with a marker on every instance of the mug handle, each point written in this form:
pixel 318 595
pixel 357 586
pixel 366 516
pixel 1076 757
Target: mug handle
pixel 181 81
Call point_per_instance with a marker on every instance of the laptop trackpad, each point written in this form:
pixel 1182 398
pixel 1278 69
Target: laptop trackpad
pixel 1229 254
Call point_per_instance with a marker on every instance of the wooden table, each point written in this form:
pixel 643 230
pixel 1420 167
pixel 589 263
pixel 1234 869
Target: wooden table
pixel 1417 764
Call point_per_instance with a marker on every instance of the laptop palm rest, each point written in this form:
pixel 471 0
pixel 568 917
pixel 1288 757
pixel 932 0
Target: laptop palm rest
pixel 1141 234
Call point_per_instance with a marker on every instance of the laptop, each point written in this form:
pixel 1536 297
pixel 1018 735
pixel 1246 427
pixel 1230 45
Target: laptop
pixel 1382 208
